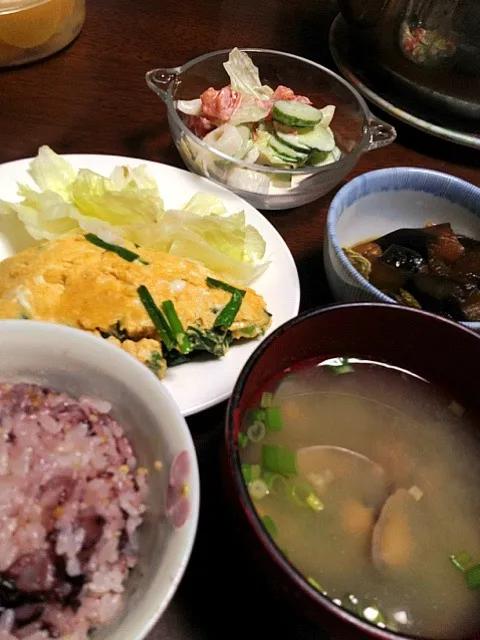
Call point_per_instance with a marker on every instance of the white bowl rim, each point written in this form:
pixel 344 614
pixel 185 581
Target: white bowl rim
pixel 332 220
pixel 189 529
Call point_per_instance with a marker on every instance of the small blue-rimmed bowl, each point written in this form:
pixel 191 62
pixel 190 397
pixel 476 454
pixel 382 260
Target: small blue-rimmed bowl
pixel 381 201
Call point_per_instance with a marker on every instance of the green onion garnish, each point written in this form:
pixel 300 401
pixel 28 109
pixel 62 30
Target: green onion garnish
pixel 472 576
pixel 218 284
pixel 257 489
pixel 183 341
pixel 259 415
pixel 266 400
pixel 157 317
pixel 273 419
pixel 126 254
pixel 342 368
pixel 316 586
pixel 461 560
pixel 303 494
pixel 155 362
pixel 229 312
pixel 277 485
pixel 249 331
pixel 372 614
pixel 256 431
pixel 269 525
pixel 314 502
pixel 279 460
pixel 251 472
pixel 242 439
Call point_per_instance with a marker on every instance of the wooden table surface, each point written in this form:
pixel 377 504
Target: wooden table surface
pixel 92 98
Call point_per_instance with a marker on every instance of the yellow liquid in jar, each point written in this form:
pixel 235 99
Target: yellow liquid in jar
pixel 30 27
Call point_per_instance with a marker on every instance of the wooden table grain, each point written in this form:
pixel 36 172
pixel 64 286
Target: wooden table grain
pixel 92 98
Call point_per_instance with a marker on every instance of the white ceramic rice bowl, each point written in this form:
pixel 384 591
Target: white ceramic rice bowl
pixel 77 363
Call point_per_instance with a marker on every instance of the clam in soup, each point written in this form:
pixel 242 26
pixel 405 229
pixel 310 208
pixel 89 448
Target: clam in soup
pixel 368 479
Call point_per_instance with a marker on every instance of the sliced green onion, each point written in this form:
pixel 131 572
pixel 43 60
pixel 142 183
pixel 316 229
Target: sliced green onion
pixel 461 560
pixel 257 489
pixel 269 525
pixel 242 439
pixel 251 472
pixel 183 341
pixel 472 576
pixel 247 472
pixel 273 418
pixel 256 431
pixel 314 502
pixel 126 254
pixel 342 368
pixel 372 614
pixel 218 284
pixel 279 460
pixel 249 331
pixel 260 415
pixel 229 312
pixel 157 317
pixel 303 494
pixel 316 586
pixel 256 471
pixel 277 485
pixel 266 400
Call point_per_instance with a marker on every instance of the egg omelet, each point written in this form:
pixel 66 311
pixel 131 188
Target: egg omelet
pixel 76 283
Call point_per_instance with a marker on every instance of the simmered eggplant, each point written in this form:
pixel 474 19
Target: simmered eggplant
pixel 402 258
pixel 467 268
pixel 432 268
pixel 415 239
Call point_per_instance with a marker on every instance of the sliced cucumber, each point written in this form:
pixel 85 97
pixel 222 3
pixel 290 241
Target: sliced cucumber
pixel 319 139
pixel 286 151
pixel 321 158
pixel 296 114
pixel 269 157
pixel 290 137
pixel 316 139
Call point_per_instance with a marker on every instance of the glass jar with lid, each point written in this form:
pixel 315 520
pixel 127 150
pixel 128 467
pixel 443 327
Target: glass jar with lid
pixel 33 29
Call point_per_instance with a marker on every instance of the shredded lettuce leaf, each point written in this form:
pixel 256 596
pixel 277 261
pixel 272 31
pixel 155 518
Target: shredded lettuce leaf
pixel 205 204
pixel 100 198
pixel 127 206
pixel 244 75
pixel 248 111
pixel 52 172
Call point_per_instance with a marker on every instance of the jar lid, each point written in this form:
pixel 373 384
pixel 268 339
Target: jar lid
pixel 9 6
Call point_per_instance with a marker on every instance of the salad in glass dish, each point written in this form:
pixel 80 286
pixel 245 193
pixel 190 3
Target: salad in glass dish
pixel 257 124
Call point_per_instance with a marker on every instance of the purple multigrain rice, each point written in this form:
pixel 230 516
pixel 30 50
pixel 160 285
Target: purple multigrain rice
pixel 71 501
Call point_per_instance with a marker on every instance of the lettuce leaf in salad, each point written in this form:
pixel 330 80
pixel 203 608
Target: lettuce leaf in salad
pixel 244 75
pixel 248 111
pixel 127 206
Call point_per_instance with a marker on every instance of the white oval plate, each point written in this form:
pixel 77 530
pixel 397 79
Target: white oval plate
pixel 195 385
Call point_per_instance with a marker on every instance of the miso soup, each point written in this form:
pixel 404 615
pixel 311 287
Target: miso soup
pixel 367 477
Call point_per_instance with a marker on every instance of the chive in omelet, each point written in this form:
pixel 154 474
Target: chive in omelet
pixel 158 307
